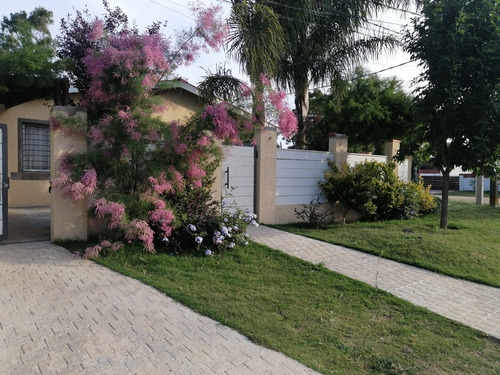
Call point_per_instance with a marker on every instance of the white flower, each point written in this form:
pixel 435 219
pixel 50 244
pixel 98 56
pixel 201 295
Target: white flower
pixel 208 253
pixel 224 231
pixel 235 228
pixel 191 228
pixel 254 223
pixel 231 245
pixel 164 239
pixel 246 243
pixel 225 220
pixel 198 239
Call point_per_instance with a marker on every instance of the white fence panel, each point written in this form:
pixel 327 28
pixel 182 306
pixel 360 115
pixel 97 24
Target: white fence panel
pixel 404 170
pixel 238 176
pixel 353 159
pixel 297 175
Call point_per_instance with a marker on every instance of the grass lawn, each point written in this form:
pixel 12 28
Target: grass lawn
pixel 329 322
pixel 469 249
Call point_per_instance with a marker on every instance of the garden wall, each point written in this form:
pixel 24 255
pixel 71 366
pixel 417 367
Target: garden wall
pixel 297 173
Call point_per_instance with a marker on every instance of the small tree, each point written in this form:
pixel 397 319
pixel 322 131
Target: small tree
pixel 458 44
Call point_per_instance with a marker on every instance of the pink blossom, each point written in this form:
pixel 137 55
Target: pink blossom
pixel 115 211
pixel 181 148
pixel 276 99
pixel 177 179
pixel 225 127
pixel 97 31
pixel 204 141
pixel 264 80
pixel 161 185
pixel 92 252
pixel 159 108
pixel 195 172
pixel 164 218
pixel 287 123
pixel 95 135
pixel 140 230
pixel 153 135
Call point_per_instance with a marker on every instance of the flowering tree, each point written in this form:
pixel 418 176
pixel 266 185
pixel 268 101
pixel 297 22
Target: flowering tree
pixel 148 179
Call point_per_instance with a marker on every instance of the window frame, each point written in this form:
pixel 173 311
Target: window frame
pixel 29 174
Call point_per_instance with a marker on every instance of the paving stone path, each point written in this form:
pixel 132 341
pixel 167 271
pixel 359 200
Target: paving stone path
pixel 472 304
pixel 65 315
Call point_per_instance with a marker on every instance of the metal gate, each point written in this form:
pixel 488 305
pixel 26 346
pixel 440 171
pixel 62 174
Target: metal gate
pixel 4 182
pixel 238 173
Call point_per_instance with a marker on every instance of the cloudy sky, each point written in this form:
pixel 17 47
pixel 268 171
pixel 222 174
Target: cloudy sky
pixel 177 14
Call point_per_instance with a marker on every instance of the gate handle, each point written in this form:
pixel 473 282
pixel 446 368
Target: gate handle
pixel 226 184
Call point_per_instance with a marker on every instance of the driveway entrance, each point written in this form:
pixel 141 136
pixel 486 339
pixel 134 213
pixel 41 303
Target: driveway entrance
pixel 28 224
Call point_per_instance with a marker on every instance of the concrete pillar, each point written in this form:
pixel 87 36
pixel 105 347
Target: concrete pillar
pixel 391 150
pixel 479 189
pixel 337 146
pixel 265 176
pixel 68 218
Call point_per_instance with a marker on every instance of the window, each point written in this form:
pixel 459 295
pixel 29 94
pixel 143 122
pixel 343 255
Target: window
pixel 34 150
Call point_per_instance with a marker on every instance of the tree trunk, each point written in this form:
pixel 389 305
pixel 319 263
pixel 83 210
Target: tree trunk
pixel 445 198
pixel 302 110
pixel 493 192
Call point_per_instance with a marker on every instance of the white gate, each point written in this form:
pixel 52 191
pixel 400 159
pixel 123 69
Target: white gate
pixel 4 182
pixel 238 176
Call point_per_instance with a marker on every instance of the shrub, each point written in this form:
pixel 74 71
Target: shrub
pixel 373 190
pixel 312 214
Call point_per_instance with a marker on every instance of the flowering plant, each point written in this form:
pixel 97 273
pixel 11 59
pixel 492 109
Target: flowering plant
pixel 150 179
pixel 226 230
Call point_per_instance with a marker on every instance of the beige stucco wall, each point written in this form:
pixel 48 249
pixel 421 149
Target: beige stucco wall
pixel 180 105
pixel 286 214
pixel 24 192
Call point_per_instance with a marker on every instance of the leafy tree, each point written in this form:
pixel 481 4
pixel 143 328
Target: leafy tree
pixel 27 57
pixel 322 40
pixel 367 108
pixel 458 42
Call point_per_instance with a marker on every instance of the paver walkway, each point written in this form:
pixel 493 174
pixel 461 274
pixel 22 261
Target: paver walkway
pixel 65 315
pixel 472 304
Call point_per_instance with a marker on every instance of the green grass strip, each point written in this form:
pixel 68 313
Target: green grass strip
pixel 469 249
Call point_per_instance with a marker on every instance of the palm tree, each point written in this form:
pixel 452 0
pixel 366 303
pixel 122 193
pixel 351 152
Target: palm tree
pixel 323 39
pixel 256 40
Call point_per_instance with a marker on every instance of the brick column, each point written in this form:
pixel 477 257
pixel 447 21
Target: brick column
pixel 68 218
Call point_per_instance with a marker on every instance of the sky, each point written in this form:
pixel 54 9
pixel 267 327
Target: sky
pixel 178 17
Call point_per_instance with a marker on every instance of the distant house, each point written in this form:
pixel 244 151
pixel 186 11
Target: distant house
pixel 26 146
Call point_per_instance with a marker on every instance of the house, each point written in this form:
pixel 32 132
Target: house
pixel 26 130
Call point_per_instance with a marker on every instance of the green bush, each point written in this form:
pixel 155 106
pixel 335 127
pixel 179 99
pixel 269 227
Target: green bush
pixel 373 190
